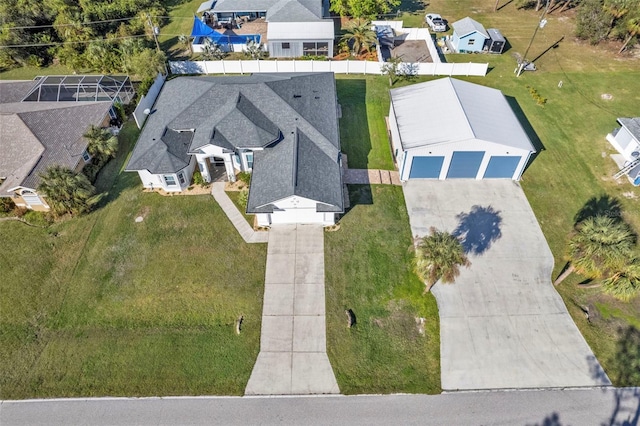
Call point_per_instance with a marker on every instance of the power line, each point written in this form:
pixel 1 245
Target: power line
pixel 60 43
pixel 28 27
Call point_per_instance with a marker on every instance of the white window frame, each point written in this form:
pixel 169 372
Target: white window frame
pixel 86 156
pixel 167 178
pixel 181 178
pixel 249 159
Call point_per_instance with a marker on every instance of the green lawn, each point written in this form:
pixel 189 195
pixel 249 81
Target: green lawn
pixel 368 269
pixel 102 305
pixel 180 22
pixel 573 166
pixel 363 132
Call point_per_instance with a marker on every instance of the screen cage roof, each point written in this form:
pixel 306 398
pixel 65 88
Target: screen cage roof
pixel 81 88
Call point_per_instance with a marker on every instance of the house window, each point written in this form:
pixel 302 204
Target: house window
pixel 85 156
pixel 181 178
pixel 471 41
pixel 169 180
pixel 250 160
pixel 286 45
pixel 315 49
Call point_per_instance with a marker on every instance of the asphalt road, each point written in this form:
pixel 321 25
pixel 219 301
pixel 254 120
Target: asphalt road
pixel 582 407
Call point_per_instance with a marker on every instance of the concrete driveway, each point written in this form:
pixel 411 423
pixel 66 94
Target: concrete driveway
pixel 502 324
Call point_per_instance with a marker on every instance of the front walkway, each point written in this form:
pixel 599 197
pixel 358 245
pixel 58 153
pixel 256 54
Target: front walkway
pixel 371 176
pixel 293 358
pixel 236 218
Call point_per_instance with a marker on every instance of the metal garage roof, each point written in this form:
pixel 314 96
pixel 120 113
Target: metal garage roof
pixel 449 110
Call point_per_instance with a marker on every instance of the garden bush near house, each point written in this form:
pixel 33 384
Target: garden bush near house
pixel 198 179
pixel 6 205
pixel 244 177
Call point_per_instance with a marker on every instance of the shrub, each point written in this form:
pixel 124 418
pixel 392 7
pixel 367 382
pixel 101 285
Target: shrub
pixel 244 198
pixel 90 170
pixel 198 179
pixel 6 205
pixel 244 177
pixel 536 96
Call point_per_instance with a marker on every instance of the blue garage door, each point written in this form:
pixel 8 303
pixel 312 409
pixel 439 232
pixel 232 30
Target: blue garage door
pixel 501 167
pixel 426 167
pixel 465 164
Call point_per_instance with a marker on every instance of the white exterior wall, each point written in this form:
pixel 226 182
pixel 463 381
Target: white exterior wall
pixel 624 143
pixel 296 210
pixel 274 46
pixel 155 181
pixel 446 150
pixel 215 151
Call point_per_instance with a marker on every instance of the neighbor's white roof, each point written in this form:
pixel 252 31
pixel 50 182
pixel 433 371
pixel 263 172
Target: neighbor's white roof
pixel 449 110
pixel 205 6
pixel 322 30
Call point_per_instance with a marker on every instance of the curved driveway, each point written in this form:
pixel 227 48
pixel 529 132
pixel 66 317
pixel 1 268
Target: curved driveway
pixel 502 324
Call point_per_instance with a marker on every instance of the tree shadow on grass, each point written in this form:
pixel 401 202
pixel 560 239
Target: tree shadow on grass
pixel 478 229
pixel 604 205
pixel 625 367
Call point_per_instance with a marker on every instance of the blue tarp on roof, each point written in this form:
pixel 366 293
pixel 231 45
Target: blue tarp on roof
pixel 200 29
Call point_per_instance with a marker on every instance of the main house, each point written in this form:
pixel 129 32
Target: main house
pixel 282 128
pixel 626 140
pixel 294 27
pixel 449 128
pixel 42 123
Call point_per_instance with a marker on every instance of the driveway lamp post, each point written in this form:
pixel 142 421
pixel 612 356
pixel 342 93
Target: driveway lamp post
pixel 523 64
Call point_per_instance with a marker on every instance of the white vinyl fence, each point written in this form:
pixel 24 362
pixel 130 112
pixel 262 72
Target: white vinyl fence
pixel 338 67
pixel 146 102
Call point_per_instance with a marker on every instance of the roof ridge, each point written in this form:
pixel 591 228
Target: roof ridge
pixel 464 112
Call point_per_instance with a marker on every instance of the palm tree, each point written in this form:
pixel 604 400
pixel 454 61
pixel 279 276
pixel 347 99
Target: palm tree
pixel 625 284
pixel 67 191
pixel 439 256
pixel 185 42
pixel 360 34
pixel 102 143
pixel 598 245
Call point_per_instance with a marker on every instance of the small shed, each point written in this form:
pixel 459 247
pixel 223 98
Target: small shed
pixel 469 36
pixel 496 42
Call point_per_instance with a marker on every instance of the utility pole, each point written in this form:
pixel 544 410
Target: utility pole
pixel 154 31
pixel 522 63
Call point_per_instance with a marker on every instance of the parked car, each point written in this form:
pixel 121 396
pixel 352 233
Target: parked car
pixel 435 22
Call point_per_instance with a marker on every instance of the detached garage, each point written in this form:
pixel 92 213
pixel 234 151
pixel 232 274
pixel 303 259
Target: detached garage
pixel 452 129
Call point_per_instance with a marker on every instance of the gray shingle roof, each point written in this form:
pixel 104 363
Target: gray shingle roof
pixel 633 125
pixel 467 25
pixel 14 91
pixel 57 126
pixel 277 10
pixel 292 116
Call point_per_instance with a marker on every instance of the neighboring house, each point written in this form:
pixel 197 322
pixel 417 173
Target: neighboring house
pixel 42 123
pixel 626 140
pixel 294 27
pixel 448 128
pixel 469 36
pixel 283 128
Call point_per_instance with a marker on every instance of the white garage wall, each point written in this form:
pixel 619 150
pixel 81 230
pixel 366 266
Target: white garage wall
pixel 447 149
